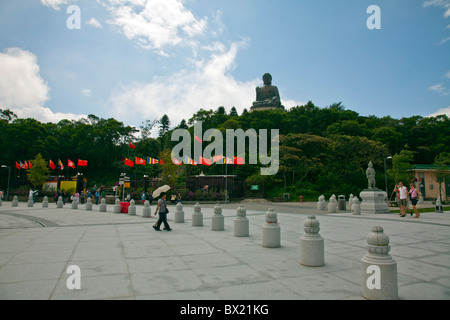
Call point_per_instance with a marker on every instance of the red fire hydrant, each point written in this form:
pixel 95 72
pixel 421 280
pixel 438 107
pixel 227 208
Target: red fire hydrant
pixel 301 199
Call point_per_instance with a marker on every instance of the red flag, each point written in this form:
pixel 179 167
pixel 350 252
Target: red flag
pixel 140 161
pixel 176 162
pixel 129 163
pixel 198 139
pixel 52 165
pixel 205 162
pixel 82 163
pixel 131 145
pixel 239 161
pixel 162 162
pixel 25 166
pixel 61 167
pixel 217 158
pixel 29 164
pixel 71 164
pixel 17 165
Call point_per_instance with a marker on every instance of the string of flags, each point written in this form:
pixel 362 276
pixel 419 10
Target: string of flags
pixel 28 164
pixel 186 160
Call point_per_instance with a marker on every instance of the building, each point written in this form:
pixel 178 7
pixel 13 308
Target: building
pixel 426 183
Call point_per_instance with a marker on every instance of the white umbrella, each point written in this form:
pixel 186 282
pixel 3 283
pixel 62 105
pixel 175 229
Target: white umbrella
pixel 158 191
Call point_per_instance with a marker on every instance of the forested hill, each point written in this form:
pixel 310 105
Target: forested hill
pixel 321 149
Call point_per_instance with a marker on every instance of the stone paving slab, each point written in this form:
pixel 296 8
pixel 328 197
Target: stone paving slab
pixel 122 257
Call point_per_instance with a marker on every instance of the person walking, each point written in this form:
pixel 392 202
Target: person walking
pixel 403 191
pixel 414 196
pixel 161 209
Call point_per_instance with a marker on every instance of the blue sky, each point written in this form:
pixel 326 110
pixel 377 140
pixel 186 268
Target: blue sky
pixel 136 59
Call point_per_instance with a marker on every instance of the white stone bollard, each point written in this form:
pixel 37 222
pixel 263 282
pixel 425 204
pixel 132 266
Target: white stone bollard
pixel 312 244
pixel 103 206
pixel 332 204
pixel 197 216
pixel 241 223
pixel 132 208
pixel 60 203
pixel 1 202
pixel 15 202
pixel 117 207
pixel 179 213
pixel 74 204
pixel 217 220
pixel 321 204
pixel 350 200
pixel 271 232
pixel 146 212
pixel 45 202
pixel 88 206
pixel 379 269
pixel 356 206
pixel 30 202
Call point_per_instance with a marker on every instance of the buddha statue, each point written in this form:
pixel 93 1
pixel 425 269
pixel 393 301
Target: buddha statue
pixel 267 96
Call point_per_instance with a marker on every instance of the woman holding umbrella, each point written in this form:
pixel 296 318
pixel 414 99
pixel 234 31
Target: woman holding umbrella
pixel 162 210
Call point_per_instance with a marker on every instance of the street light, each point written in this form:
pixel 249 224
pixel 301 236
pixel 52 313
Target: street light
pixel 385 175
pixel 9 173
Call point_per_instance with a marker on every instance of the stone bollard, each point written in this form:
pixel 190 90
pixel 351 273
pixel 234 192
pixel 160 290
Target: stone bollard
pixel 1 202
pixel 438 206
pixel 197 216
pixel 146 212
pixel 179 214
pixel 117 207
pixel 217 220
pixel 321 204
pixel 312 244
pixel 271 233
pixel 356 206
pixel 30 202
pixel 88 206
pixel 60 203
pixel 45 202
pixel 103 207
pixel 15 202
pixel 132 208
pixel 379 269
pixel 350 200
pixel 332 204
pixel 241 223
pixel 74 204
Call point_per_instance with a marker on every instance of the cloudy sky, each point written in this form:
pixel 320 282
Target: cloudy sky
pixel 139 59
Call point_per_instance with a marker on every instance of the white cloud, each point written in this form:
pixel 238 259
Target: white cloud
pixel 444 4
pixel 94 22
pixel 23 90
pixel 439 88
pixel 86 92
pixel 445 111
pixel 209 85
pixel 155 24
pixel 53 3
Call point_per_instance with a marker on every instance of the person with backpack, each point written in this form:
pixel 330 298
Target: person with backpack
pixel 162 210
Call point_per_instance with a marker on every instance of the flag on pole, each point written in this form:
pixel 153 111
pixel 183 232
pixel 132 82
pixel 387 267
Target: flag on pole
pixel 198 139
pixel 205 162
pixel 82 163
pixel 52 165
pixel 29 164
pixel 25 166
pixel 239 161
pixel 131 145
pixel 140 161
pixel 176 162
pixel 71 164
pixel 217 158
pixel 18 166
pixel 60 164
pixel 129 163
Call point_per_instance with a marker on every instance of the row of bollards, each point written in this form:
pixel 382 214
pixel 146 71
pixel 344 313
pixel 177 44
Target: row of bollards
pixel 379 269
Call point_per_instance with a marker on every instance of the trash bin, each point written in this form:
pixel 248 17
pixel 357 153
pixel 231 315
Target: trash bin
pixel 124 207
pixel 341 203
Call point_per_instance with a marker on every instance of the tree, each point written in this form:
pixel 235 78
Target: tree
pixel 39 172
pixel 233 112
pixel 164 125
pixel 400 164
pixel 146 128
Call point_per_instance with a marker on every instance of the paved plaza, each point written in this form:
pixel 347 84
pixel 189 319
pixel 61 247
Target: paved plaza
pixel 122 257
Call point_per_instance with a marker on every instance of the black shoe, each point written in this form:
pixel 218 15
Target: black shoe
pixel 156 228
pixel 170 229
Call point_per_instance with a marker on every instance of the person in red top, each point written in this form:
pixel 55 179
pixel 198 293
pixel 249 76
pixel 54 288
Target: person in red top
pixel 414 196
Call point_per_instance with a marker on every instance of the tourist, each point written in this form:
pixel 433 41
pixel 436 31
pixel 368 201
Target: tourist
pixel 414 196
pixel 403 191
pixel 162 210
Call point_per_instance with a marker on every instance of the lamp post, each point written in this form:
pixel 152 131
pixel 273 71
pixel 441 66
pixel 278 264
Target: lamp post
pixel 9 174
pixel 385 175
